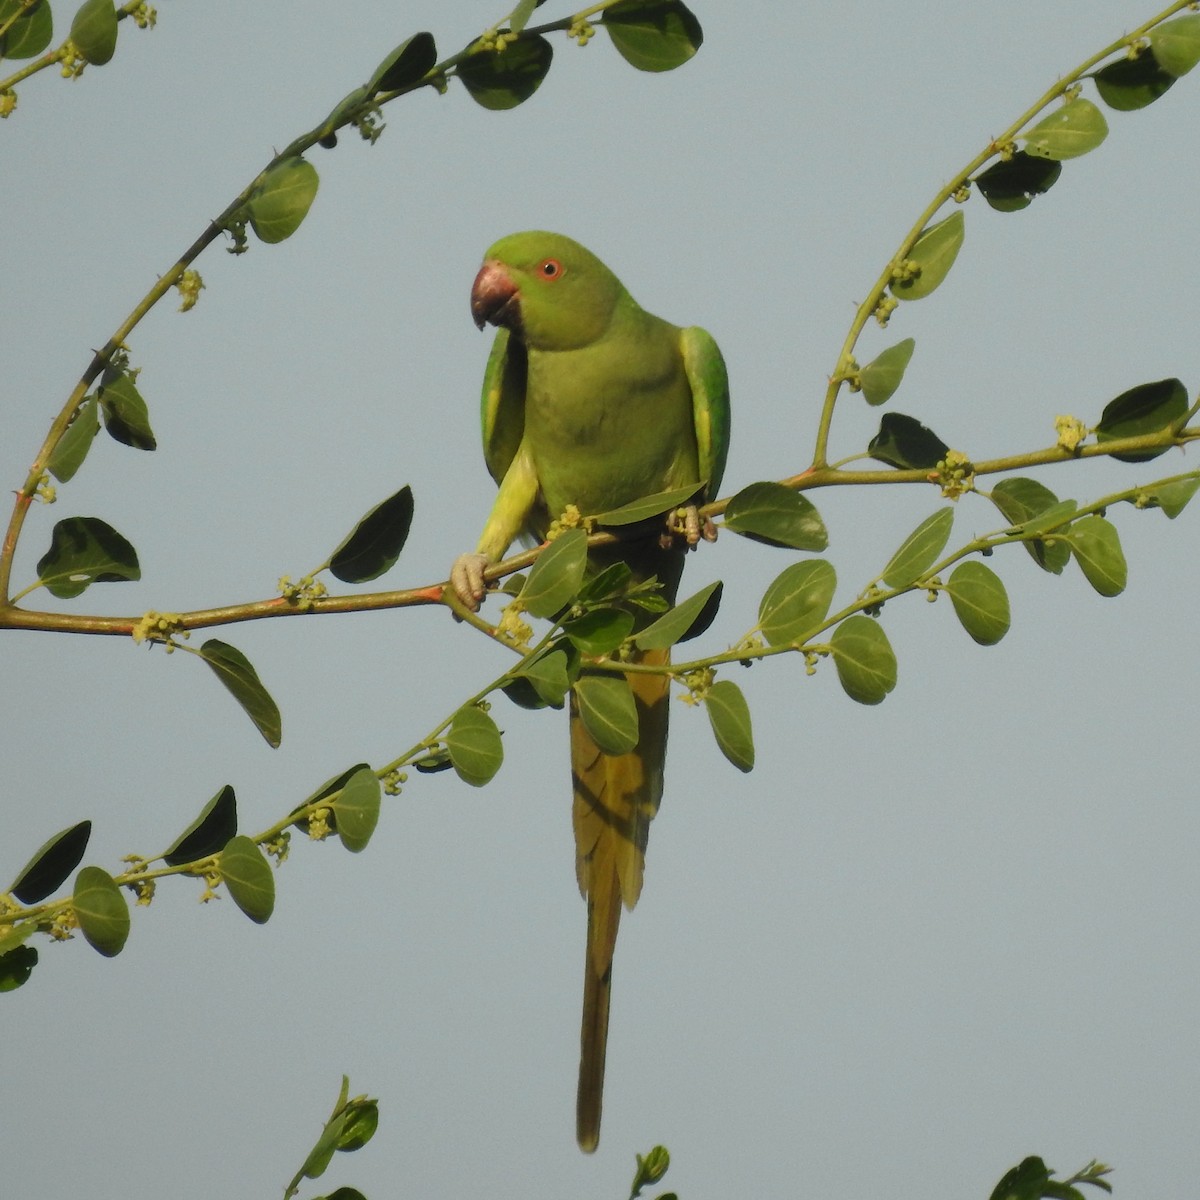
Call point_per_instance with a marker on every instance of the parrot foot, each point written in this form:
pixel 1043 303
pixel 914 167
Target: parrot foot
pixel 466 578
pixel 687 523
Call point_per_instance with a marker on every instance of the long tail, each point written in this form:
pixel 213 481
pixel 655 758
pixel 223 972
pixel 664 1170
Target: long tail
pixel 616 798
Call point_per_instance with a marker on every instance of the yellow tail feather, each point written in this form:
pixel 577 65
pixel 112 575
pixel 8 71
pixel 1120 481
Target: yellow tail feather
pixel 616 798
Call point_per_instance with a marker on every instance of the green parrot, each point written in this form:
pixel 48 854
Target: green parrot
pixel 590 401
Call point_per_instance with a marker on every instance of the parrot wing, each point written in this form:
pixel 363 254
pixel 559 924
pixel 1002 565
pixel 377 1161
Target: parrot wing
pixel 709 381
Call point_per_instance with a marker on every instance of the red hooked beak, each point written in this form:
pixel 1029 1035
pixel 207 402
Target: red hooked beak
pixel 494 297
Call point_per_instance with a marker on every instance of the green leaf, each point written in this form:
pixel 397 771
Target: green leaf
pixel 1052 518
pixel 410 62
pixel 557 574
pixel 866 665
pixel 499 79
pixel 1012 184
pixel 374 545
pixel 545 677
pixel 1176 44
pixel 248 877
pixel 51 864
pixel 1131 83
pixel 67 457
pixel 880 378
pixel 1145 409
pixel 233 669
pixel 920 550
pixel 686 620
pixel 1021 499
pixel 1025 1182
pixel 905 443
pixel 980 601
pixel 607 584
pixel 1097 550
pixel 1074 129
pixel 653 35
pixel 94 31
pixel 125 414
pixel 648 506
pixel 359 1126
pixel 345 1193
pixel 327 789
pixel 83 551
pixel 208 833
pixel 519 17
pixel 796 602
pixel 729 716
pixel 352 102
pixel 934 255
pixel 608 712
pixel 1171 497
pixel 777 516
pixel 16 966
pixel 476 750
pixel 30 33
pixel 600 631
pixel 356 810
pixel 101 911
pixel 281 202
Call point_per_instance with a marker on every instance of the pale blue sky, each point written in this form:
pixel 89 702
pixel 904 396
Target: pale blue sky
pixel 918 943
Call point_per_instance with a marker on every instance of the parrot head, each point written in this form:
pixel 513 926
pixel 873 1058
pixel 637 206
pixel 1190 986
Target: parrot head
pixel 546 289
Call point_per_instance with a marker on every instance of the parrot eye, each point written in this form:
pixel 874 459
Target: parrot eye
pixel 550 268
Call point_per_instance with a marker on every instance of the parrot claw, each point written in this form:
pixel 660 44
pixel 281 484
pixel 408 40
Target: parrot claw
pixel 466 578
pixel 687 523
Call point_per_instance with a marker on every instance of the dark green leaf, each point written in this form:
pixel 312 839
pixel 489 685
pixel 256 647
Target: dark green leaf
pixel 51 864
pixel 648 506
pixel 327 789
pixel 686 620
pixel 1131 83
pixel 880 378
pixel 234 670
pixel 778 516
pixel 359 1126
pixel 980 601
pixel 248 877
pixel 608 711
pixel 1097 549
pixel 934 255
pixel 208 833
pixel 94 31
pixel 905 443
pixel 611 582
pixel 30 33
pixel 434 761
pixel 281 202
pixel 557 574
pixel 341 113
pixel 125 414
pixel 920 549
pixel 546 677
pixel 499 79
pixel 1171 497
pixel 73 446
pixel 866 665
pixel 83 551
pixel 374 545
pixel 101 911
pixel 653 35
pixel 476 750
pixel 1176 44
pixel 356 810
pixel 411 61
pixel 345 1193
pixel 1025 1182
pixel 1011 184
pixel 1021 499
pixel 600 631
pixel 16 966
pixel 729 716
pixel 796 602
pixel 1146 409
pixel 1074 129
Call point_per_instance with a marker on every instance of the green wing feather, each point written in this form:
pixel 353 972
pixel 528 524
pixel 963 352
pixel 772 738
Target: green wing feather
pixel 502 403
pixel 706 373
